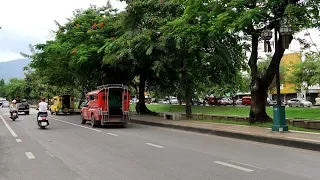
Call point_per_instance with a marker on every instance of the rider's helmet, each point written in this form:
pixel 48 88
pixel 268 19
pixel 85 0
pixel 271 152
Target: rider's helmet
pixel 14 101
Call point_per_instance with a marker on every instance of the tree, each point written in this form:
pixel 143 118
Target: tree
pixel 2 88
pixel 72 59
pixel 250 18
pixel 306 73
pixel 199 56
pixel 135 48
pixel 15 88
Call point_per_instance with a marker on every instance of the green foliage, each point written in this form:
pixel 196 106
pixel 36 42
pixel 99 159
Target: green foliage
pixel 263 65
pixel 307 71
pixel 72 59
pixel 2 88
pixel 15 88
pixel 210 59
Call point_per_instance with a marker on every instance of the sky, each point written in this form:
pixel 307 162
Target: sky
pixel 25 22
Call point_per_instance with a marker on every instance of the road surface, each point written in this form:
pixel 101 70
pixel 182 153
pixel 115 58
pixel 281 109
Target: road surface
pixel 70 151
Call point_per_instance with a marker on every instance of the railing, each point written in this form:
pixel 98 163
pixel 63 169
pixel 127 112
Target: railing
pixel 112 86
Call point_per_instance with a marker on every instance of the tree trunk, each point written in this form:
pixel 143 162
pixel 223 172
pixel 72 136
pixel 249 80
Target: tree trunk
pixel 187 91
pixel 258 87
pixel 141 105
pixel 258 103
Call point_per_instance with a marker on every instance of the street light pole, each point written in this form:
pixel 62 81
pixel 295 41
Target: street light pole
pixel 277 68
pixel 279 114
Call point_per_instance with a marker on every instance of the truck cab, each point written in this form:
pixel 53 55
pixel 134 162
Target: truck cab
pixel 108 105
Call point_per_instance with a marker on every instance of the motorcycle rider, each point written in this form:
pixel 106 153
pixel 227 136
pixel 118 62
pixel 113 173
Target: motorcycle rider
pixel 13 107
pixel 43 107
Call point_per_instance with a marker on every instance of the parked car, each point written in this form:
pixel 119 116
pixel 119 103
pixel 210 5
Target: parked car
pixel 198 101
pixel 173 100
pixel 246 100
pixel 210 100
pixel 298 102
pixel 225 101
pixel 164 101
pixel 239 102
pixel 271 102
pixel 5 104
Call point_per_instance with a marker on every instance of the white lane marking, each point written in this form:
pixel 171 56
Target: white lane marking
pixel 75 124
pixel 50 154
pixel 310 140
pixel 8 127
pixel 18 140
pixel 247 164
pixel 233 166
pixel 154 145
pixel 30 155
pixel 113 134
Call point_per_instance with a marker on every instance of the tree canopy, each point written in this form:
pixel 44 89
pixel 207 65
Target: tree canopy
pixel 180 47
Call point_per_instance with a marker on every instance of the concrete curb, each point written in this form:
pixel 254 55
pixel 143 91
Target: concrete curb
pixel 269 140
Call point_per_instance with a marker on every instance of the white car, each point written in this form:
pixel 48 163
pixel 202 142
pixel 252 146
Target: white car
pixel 174 100
pixel 239 102
pixel 298 102
pixel 5 104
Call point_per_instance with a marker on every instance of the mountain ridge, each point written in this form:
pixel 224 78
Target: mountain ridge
pixel 13 69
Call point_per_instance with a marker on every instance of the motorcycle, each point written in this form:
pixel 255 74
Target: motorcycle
pixel 14 115
pixel 43 121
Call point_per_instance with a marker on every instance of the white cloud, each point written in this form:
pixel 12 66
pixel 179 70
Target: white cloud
pixel 32 20
pixel 7 55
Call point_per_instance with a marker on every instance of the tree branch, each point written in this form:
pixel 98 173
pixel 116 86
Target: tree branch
pixel 275 62
pixel 254 56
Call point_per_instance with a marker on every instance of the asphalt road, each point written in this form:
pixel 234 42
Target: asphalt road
pixel 70 151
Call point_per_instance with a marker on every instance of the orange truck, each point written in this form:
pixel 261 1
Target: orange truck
pixel 108 105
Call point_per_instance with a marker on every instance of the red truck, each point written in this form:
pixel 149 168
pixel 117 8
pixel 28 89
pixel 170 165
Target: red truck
pixel 108 105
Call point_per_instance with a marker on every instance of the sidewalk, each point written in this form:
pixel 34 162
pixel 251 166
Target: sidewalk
pixel 297 139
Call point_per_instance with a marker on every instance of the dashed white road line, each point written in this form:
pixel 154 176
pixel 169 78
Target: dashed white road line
pixel 8 127
pixel 18 140
pixel 75 124
pixel 113 134
pixel 247 164
pixel 30 155
pixel 154 145
pixel 50 154
pixel 233 166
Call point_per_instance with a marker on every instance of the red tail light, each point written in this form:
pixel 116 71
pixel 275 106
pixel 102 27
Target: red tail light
pixel 44 119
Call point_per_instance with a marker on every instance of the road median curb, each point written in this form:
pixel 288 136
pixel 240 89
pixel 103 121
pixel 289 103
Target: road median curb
pixel 238 135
